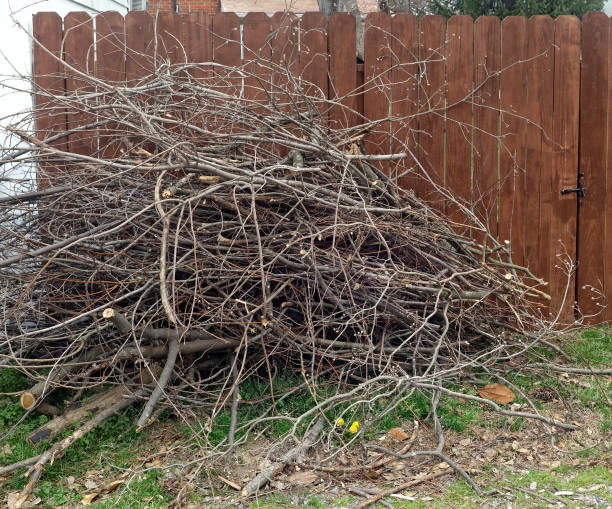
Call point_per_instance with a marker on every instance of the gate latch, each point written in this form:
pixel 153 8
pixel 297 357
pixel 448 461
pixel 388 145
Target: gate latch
pixel 579 190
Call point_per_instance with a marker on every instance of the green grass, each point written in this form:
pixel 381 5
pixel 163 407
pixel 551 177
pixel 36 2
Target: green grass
pixel 593 347
pixel 116 437
pixel 145 490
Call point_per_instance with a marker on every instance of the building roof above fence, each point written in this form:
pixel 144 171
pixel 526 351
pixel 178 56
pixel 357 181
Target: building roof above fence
pixel 269 5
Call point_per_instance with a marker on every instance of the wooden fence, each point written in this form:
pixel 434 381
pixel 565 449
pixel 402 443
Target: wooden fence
pixel 505 114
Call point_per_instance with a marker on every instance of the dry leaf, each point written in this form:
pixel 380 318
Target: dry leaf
pixel 398 434
pixel 90 485
pixel 302 477
pixel 113 485
pixel 497 392
pixel 6 449
pixel 12 500
pixel 88 498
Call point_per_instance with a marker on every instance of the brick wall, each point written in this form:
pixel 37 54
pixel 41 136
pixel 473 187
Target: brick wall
pixel 184 5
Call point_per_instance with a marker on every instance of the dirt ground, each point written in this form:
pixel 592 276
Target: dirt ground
pixel 528 467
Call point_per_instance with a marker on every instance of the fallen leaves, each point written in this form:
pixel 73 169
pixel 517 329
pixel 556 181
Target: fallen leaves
pixel 496 392
pixel 398 434
pixel 14 496
pixel 94 490
pixel 303 477
pixel 88 498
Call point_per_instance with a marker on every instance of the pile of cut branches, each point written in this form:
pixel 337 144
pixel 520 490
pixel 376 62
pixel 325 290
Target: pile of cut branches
pixel 186 237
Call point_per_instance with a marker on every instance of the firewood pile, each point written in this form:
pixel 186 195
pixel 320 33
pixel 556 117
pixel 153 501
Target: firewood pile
pixel 187 237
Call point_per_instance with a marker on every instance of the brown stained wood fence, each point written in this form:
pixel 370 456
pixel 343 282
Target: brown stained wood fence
pixel 505 114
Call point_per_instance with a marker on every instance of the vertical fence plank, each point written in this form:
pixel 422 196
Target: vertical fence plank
pixel 197 27
pixel 226 51
pixel 50 115
pixel 342 68
pixel 139 35
pixel 313 58
pixel 377 83
pixel 139 54
pixel 79 57
pixel 607 205
pixel 565 157
pixel 110 47
pixel 513 102
pixel 459 75
pixel 170 48
pixel 285 59
pixel 487 64
pixel 285 34
pixel 110 67
pixel 405 96
pixel 593 140
pixel 257 51
pixel 432 44
pixel 540 67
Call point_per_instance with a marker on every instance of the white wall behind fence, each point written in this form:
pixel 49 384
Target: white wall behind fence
pixel 16 52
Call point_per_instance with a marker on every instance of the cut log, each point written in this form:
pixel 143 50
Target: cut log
pixel 57 450
pixel 79 415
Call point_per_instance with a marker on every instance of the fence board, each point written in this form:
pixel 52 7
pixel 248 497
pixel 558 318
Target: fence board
pixel 565 156
pixel 342 68
pixel 487 64
pixel 226 51
pixel 110 67
pixel 139 47
pixel 431 106
pixel 405 96
pixel 257 51
pixel 169 38
pixel 313 57
pixel 607 206
pixel 50 115
pixel 593 140
pixel 540 38
pixel 513 103
pixel 377 83
pixel 459 75
pixel 110 47
pixel 285 58
pixel 139 55
pixel 197 28
pixel 79 57
pixel 285 47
